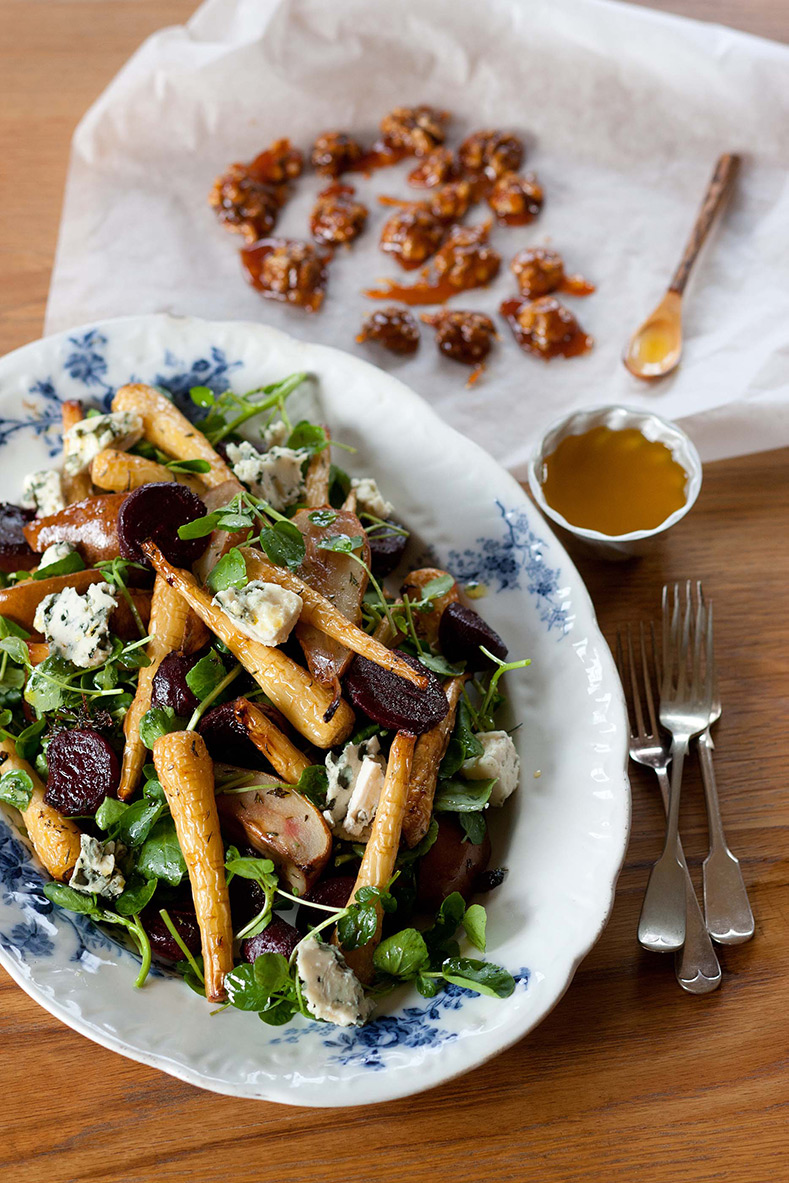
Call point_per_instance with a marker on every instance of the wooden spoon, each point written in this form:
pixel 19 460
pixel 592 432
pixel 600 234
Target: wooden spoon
pixel 656 346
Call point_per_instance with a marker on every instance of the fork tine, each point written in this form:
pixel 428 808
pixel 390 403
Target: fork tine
pixel 666 629
pixel 648 677
pixel 634 684
pixel 685 653
pixel 711 679
pixel 699 642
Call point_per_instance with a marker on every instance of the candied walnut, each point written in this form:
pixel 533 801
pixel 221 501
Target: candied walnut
pixel 412 235
pixel 414 131
pixel 516 200
pixel 248 197
pixel 288 270
pixel 451 201
pixel 545 327
pixel 436 169
pixel 394 328
pixel 337 216
pixel 538 270
pixel 245 205
pixel 466 260
pixel 466 337
pixel 335 153
pixel 492 153
pixel 278 163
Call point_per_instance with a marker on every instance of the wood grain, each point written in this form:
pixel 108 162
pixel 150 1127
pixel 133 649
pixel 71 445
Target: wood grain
pixel 628 1078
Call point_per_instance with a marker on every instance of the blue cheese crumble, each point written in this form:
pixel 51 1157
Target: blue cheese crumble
pixel 277 475
pixel 330 988
pixel 77 626
pixel 55 554
pixel 356 778
pixel 499 761
pixel 370 499
pixel 43 492
pixel 265 612
pixel 83 442
pixel 95 870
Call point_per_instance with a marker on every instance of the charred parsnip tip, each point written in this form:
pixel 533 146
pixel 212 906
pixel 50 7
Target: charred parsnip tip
pixel 380 853
pixel 120 472
pixel 303 701
pixel 283 756
pixel 78 487
pixel 168 627
pixel 317 481
pixel 429 752
pixel 186 773
pixel 349 504
pixel 321 614
pixel 170 431
pixel 55 839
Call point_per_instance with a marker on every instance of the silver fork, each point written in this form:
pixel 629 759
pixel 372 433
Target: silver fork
pixel 726 907
pixel 696 967
pixel 686 699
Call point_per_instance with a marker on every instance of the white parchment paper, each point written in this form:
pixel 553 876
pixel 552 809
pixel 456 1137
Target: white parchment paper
pixel 624 112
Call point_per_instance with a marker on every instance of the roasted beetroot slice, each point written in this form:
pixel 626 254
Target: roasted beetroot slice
pixel 169 688
pixel 461 631
pixel 15 554
pixel 155 512
pixel 82 770
pixel 163 945
pixel 227 740
pixel 279 937
pixel 334 892
pixel 392 701
pixel 386 550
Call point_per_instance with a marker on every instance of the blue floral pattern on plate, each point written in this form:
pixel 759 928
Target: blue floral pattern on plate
pixel 413 1026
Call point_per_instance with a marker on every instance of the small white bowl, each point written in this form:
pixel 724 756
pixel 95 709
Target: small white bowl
pixel 653 428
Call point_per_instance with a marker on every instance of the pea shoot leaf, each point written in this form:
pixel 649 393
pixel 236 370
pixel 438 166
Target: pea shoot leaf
pixel 462 796
pixel 474 827
pixel 16 788
pixel 204 677
pixel 66 897
pixel 230 571
pixel 479 976
pixel 161 857
pixel 156 722
pixel 314 784
pixel 341 542
pixel 139 892
pixel 65 566
pixel 201 396
pixel 284 544
pixel 475 922
pixel 189 466
pixel 440 665
pixel 200 526
pixel 323 517
pixel 402 955
pixel 308 436
pixel 9 628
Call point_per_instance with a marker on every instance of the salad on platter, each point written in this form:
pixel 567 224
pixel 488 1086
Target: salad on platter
pixel 239 727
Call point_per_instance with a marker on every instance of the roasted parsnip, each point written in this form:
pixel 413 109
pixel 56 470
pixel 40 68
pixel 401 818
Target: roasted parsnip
pixel 56 839
pixel 428 753
pixel 317 481
pixel 168 626
pixel 380 853
pixel 302 700
pixel 170 431
pixel 186 773
pixel 90 525
pixel 19 603
pixel 120 472
pixel 427 623
pixel 77 487
pixel 283 756
pixel 321 613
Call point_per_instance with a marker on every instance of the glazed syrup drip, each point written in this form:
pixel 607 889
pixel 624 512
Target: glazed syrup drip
pixel 576 285
pixel 613 481
pixel 381 155
pixel 569 339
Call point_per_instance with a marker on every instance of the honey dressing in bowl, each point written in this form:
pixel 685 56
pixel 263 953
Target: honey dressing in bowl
pixel 613 481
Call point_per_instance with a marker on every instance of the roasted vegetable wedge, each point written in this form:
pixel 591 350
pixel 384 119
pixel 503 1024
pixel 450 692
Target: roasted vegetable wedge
pixel 186 773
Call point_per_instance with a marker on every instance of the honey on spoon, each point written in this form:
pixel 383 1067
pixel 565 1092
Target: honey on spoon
pixel 655 348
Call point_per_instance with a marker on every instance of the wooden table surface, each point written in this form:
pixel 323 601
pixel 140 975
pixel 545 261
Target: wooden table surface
pixel 628 1077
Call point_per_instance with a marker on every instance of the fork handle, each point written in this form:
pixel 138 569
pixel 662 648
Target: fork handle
pixel 661 926
pixel 726 906
pixel 696 966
